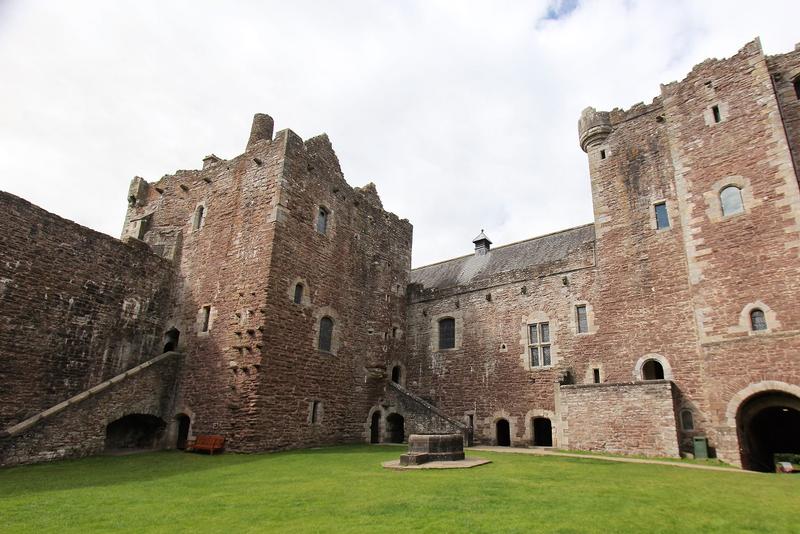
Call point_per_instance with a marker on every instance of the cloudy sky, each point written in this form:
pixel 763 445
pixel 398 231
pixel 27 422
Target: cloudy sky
pixel 462 113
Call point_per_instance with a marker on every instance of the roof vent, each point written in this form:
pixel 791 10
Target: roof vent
pixel 482 244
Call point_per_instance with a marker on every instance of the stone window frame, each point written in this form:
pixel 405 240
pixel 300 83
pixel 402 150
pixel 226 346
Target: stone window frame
pixel 665 365
pixel 490 426
pixel 714 202
pixel 537 317
pixel 328 220
pixel 540 345
pixel 434 328
pixel 201 319
pixel 316 412
pixel 196 225
pixel 746 326
pixel 336 335
pixel 588 377
pixel 654 215
pixel 590 323
pixel 306 299
pixel 724 113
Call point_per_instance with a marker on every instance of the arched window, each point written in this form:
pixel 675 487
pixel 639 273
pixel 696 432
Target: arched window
pixel 652 370
pixel 731 200
pixel 396 374
pixel 687 421
pixel 447 333
pixel 325 334
pixel 322 220
pixel 757 320
pixel 199 217
pixel 298 293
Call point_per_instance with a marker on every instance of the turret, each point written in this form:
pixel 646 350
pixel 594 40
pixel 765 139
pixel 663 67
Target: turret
pixel 261 129
pixel 593 128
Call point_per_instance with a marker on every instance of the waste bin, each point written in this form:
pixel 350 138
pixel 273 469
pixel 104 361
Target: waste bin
pixel 700 447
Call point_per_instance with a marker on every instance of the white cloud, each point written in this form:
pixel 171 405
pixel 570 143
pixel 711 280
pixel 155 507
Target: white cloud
pixel 462 113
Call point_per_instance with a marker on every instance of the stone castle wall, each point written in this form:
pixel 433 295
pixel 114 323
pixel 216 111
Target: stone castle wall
pixel 76 308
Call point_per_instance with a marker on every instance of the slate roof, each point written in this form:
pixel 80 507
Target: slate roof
pixel 521 255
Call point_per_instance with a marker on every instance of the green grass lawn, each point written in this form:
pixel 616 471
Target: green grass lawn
pixel 344 489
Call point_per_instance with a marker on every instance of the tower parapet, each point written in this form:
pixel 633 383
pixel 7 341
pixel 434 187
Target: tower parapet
pixel 593 127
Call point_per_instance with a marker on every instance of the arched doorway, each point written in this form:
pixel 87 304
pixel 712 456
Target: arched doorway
pixel 503 432
pixel 397 374
pixel 652 370
pixel 183 430
pixel 375 428
pixel 171 339
pixel 135 431
pixel 395 428
pixel 542 432
pixel 768 423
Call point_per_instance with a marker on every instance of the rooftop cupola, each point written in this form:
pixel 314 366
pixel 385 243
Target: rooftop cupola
pixel 482 244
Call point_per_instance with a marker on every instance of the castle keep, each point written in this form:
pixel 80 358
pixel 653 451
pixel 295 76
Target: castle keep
pixel 264 299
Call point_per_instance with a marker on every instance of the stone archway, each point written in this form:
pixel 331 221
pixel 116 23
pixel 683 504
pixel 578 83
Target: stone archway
pixel 542 432
pixel 502 433
pixel 135 432
pixel 768 423
pixel 183 422
pixel 375 427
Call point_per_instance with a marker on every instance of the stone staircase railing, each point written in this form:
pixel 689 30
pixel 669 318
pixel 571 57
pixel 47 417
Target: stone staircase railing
pixel 427 405
pixel 80 397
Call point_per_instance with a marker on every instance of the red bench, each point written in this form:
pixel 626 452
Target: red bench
pixel 209 443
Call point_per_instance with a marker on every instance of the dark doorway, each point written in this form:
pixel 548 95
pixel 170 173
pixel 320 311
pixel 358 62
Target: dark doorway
pixel 395 428
pixel 171 339
pixel 396 374
pixel 375 428
pixel 542 432
pixel 652 370
pixel 183 430
pixel 768 424
pixel 503 433
pixel 135 431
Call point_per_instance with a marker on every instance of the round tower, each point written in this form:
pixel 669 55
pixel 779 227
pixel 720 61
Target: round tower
pixel 593 128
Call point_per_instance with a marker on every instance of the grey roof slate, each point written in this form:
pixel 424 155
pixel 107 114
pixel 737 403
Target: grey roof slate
pixel 521 255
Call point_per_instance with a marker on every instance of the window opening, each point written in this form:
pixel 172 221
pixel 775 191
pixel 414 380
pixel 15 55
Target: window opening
pixel 539 344
pixel 731 200
pixel 717 116
pixel 662 218
pixel 602 154
pixel 322 220
pixel 687 421
pixel 757 320
pixel 596 375
pixel 447 333
pixel 325 334
pixel 298 293
pixel 583 322
pixel 796 84
pixel 199 217
pixel 206 318
pixel 396 372
pixel 315 412
pixel 652 370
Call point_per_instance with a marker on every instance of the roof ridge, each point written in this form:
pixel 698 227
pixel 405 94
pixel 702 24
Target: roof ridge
pixel 508 245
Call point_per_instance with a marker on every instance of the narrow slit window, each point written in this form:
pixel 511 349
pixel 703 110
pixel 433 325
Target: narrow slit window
pixel 596 375
pixel 447 333
pixel 602 154
pixel 325 334
pixel 322 220
pixel 199 217
pixel 583 320
pixel 206 317
pixel 298 293
pixel 796 84
pixel 315 406
pixel 715 112
pixel 757 320
pixel 662 217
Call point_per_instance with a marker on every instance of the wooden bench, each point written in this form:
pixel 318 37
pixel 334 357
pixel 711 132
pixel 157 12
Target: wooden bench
pixel 206 442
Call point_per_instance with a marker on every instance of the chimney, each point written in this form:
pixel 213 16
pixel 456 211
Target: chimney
pixel 261 130
pixel 482 244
